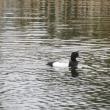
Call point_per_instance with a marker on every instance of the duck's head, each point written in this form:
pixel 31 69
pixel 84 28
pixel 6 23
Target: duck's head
pixel 74 55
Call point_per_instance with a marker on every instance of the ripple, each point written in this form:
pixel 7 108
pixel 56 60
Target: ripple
pixel 32 35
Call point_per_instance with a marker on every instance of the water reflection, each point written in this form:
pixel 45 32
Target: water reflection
pixel 79 18
pixel 74 72
pixel 71 18
pixel 34 31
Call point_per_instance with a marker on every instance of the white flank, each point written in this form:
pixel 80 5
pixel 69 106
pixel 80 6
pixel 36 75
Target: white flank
pixel 58 64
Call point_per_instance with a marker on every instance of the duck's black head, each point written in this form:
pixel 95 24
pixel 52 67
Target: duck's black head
pixel 74 55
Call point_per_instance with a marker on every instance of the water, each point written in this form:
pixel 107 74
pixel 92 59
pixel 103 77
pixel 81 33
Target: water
pixel 33 32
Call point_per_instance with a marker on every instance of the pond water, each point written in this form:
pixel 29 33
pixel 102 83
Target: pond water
pixel 33 32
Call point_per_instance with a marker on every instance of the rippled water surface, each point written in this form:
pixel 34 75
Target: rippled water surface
pixel 33 32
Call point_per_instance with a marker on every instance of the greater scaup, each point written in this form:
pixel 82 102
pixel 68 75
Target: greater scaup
pixel 73 63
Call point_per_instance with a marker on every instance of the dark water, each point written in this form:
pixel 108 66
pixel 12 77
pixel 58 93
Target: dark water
pixel 33 32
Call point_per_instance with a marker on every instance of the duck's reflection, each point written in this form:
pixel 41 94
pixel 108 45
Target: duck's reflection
pixel 74 72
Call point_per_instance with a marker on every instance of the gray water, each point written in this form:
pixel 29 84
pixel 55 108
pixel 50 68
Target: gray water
pixel 33 32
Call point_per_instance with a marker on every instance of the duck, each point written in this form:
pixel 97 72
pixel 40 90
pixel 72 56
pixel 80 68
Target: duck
pixel 73 63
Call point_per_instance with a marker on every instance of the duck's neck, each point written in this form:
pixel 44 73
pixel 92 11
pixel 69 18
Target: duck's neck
pixel 73 59
pixel 73 63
